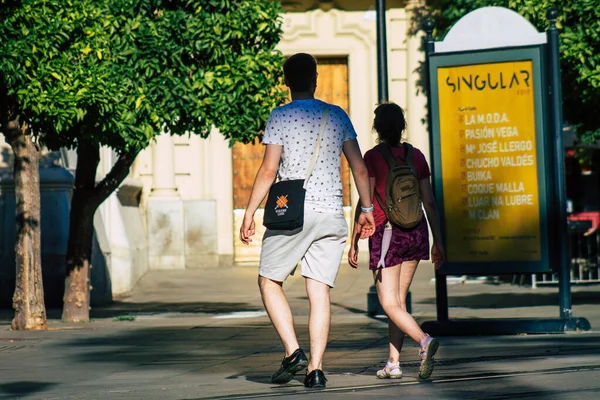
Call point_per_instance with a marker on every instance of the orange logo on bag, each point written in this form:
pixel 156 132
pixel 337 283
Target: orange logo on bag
pixel 282 202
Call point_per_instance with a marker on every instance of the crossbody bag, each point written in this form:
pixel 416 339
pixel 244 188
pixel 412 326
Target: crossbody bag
pixel 284 209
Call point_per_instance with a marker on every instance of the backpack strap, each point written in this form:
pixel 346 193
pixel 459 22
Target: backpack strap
pixel 389 158
pixel 387 154
pixel 379 201
pixel 409 152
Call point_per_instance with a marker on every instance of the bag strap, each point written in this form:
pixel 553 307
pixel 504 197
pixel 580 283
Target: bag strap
pixel 409 154
pixel 387 154
pixel 379 201
pixel 315 154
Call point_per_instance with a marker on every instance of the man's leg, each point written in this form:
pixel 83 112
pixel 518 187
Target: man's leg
pixel 279 312
pixel 318 322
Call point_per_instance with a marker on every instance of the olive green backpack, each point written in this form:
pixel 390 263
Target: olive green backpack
pixel 403 205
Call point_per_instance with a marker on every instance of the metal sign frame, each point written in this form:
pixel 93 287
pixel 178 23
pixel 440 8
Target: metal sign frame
pixel 480 36
pixel 543 148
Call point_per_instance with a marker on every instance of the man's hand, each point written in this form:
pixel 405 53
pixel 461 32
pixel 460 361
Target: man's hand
pixel 437 255
pixel 366 224
pixel 353 256
pixel 247 229
pixel 353 253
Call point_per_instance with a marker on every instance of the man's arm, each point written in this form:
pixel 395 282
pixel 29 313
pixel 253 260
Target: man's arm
pixel 359 171
pixel 361 179
pixel 356 231
pixel 262 183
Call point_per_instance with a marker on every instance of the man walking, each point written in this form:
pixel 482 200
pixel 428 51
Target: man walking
pixel 290 137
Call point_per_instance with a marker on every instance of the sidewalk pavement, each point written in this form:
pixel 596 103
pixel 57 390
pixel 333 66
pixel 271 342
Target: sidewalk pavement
pixel 203 334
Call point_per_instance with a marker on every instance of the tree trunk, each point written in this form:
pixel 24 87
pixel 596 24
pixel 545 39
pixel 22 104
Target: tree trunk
pixel 79 255
pixel 28 299
pixel 87 197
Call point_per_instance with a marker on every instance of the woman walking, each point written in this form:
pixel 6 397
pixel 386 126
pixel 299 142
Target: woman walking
pixel 395 251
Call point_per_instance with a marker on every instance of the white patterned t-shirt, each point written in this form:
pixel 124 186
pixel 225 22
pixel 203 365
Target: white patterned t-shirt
pixel 296 126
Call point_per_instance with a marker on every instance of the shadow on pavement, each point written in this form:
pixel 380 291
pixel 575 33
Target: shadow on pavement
pixel 177 346
pixel 353 310
pixel 515 300
pixel 7 315
pixel 251 349
pixel 120 308
pixel 24 388
pixel 476 383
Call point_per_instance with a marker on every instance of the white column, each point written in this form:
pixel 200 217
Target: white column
pixel 417 132
pixel 163 168
pixel 222 192
pixel 417 104
pixel 165 210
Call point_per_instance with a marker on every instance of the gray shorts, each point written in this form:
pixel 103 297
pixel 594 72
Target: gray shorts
pixel 319 245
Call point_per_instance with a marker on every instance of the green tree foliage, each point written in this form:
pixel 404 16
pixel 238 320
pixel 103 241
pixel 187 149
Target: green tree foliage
pixel 579 23
pixel 92 73
pixel 122 70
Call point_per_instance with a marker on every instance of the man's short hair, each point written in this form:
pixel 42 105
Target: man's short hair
pixel 300 70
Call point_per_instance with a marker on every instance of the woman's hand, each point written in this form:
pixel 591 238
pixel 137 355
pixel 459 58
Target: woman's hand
pixel 247 229
pixel 437 255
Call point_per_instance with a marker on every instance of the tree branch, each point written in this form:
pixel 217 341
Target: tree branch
pixel 114 178
pixel 12 129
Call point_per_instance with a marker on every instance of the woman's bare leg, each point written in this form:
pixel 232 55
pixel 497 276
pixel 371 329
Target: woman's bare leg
pixel 407 272
pixel 392 287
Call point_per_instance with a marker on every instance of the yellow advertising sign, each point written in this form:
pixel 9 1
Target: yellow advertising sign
pixel 489 162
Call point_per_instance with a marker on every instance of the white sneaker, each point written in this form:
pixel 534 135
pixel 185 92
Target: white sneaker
pixel 390 371
pixel 426 354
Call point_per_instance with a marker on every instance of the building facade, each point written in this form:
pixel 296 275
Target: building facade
pixel 344 42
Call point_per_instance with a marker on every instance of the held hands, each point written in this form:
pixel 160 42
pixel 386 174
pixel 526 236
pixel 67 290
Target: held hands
pixel 366 224
pixel 353 255
pixel 364 227
pixel 437 255
pixel 247 229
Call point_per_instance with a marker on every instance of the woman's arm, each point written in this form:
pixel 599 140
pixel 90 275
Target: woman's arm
pixel 433 216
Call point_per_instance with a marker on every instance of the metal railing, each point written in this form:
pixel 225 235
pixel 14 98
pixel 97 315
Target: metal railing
pixel 585 257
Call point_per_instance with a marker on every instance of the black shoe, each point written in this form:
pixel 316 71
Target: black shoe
pixel 316 379
pixel 290 366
